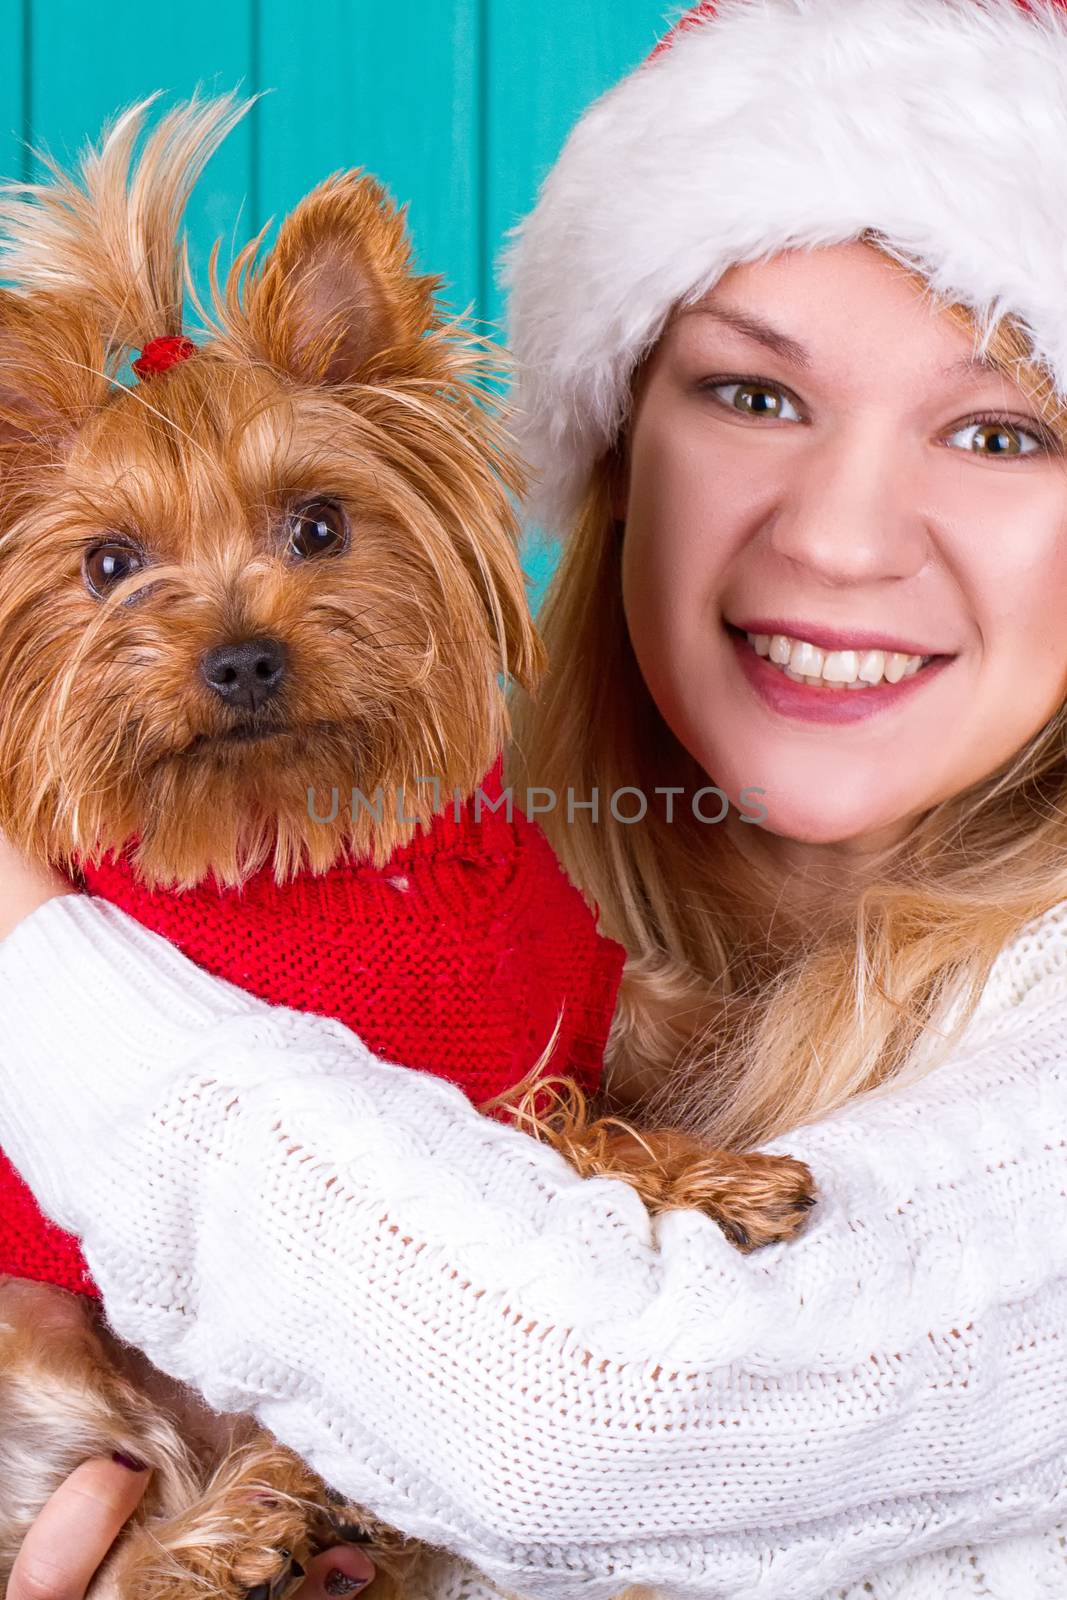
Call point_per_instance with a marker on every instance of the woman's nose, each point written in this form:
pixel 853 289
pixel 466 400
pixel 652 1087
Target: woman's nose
pixel 852 512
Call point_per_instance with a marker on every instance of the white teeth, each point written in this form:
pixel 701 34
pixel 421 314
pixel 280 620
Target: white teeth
pixel 841 666
pixel 849 669
pixel 806 659
pixel 871 664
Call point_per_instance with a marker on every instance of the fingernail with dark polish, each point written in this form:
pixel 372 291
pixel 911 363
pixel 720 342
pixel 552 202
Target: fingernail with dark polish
pixel 129 1462
pixel 339 1583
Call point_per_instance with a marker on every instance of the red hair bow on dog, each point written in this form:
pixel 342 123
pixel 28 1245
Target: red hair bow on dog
pixel 159 354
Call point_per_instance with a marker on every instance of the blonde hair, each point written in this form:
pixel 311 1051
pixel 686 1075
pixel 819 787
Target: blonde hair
pixel 739 1016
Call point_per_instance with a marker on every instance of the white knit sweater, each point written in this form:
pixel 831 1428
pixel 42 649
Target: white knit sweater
pixel 520 1366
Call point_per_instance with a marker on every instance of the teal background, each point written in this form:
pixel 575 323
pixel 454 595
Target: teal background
pixel 459 106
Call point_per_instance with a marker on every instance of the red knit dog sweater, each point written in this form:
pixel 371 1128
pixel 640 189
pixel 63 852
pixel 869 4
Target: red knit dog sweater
pixel 456 958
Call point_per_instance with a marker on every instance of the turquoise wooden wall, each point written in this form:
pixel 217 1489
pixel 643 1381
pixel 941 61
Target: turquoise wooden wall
pixel 459 106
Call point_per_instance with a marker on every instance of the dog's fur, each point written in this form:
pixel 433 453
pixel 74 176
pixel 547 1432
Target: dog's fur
pixel 327 370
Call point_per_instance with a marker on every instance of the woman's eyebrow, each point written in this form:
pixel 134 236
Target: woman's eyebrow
pixel 753 327
pixel 969 366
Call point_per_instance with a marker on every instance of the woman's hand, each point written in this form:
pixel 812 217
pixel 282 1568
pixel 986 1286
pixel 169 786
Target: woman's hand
pixel 77 1527
pixel 79 1524
pixel 75 1530
pixel 24 886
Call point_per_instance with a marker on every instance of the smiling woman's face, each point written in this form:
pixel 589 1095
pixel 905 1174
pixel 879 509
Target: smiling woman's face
pixel 806 468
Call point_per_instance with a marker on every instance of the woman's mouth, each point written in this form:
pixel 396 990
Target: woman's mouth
pixel 796 678
pixel 833 669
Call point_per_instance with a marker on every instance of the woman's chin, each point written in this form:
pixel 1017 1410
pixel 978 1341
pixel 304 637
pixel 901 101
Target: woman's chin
pixel 823 823
pixel 805 794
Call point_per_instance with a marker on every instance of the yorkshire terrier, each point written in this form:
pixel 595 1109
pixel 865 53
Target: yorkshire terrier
pixel 286 559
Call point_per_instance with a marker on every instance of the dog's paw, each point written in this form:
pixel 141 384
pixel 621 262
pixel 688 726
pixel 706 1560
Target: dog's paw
pixel 769 1201
pixel 284 1583
pixel 755 1199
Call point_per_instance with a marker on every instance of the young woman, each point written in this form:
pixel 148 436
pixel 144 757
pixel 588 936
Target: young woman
pixel 746 310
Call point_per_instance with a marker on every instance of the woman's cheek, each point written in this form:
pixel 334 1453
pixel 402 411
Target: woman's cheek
pixel 674 538
pixel 1008 555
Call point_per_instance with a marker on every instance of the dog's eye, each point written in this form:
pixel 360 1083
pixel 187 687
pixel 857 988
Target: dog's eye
pixel 106 564
pixel 317 529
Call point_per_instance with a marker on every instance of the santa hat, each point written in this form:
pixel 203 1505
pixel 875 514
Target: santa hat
pixel 761 125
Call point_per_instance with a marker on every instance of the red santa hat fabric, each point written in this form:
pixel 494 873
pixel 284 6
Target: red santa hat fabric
pixel 762 125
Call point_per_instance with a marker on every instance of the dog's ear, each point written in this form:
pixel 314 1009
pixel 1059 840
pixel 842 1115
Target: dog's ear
pixel 52 370
pixel 337 300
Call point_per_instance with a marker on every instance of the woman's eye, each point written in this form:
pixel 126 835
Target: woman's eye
pixel 756 400
pixel 107 563
pixel 995 437
pixel 319 528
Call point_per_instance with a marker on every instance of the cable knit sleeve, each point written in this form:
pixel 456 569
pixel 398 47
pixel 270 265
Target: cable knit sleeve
pixel 522 1367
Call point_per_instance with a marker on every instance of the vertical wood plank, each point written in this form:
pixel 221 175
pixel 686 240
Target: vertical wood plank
pixel 393 89
pixel 13 47
pixel 545 64
pixel 87 63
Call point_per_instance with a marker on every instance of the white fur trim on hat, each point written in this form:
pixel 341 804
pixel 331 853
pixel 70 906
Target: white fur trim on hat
pixel 941 124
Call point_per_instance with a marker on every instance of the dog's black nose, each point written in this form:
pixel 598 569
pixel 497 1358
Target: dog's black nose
pixel 245 675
